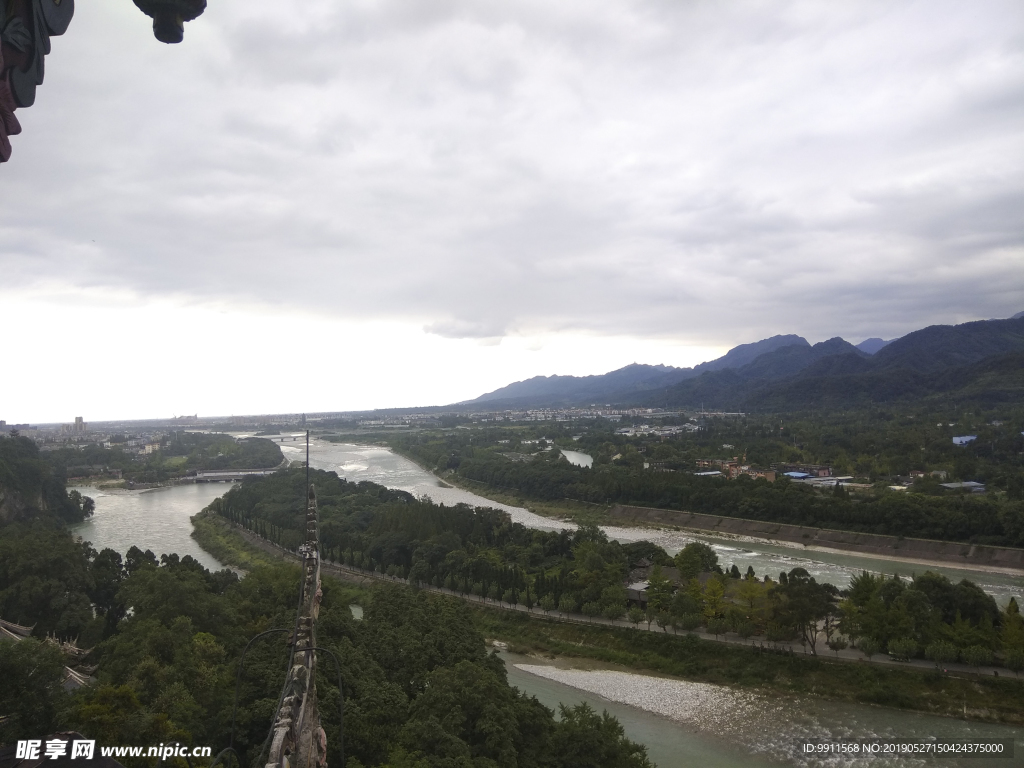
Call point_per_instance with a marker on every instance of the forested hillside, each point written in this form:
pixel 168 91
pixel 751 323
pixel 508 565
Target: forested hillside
pixel 629 381
pixel 32 488
pixel 979 363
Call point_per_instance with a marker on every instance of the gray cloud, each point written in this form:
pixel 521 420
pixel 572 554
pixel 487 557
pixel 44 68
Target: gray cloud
pixel 694 171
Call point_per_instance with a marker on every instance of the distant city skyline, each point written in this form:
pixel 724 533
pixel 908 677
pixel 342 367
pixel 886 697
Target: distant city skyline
pixel 337 207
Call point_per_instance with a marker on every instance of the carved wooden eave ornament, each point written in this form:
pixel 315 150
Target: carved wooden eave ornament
pixel 26 27
pixel 169 16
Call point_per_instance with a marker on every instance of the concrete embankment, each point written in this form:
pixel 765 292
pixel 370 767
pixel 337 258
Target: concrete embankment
pixel 970 556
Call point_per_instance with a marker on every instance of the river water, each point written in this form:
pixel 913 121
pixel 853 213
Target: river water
pixel 685 724
pixel 578 458
pixel 682 723
pixel 156 519
pixel 380 465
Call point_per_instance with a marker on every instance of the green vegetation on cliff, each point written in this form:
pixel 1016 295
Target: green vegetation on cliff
pixel 31 488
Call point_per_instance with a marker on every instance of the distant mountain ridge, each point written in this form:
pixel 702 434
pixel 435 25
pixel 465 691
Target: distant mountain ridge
pixel 873 345
pixel 632 378
pixel 938 360
pixel 739 356
pixel 980 360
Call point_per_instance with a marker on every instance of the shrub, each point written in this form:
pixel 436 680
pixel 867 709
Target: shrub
pixel 941 652
pixel 1015 659
pixel 745 629
pixel 734 617
pixel 690 621
pixel 976 656
pixel 837 644
pixel 902 648
pixel 868 646
pixel 776 632
pixel 717 627
pixel 614 612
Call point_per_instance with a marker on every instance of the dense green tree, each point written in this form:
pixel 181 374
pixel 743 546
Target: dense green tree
pixel 585 739
pixel 32 697
pixel 696 557
pixel 804 606
pixel 46 579
pixel 32 488
pixel 659 591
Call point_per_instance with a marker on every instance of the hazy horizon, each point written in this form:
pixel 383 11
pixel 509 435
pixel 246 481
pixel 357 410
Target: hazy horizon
pixel 331 207
pixel 388 406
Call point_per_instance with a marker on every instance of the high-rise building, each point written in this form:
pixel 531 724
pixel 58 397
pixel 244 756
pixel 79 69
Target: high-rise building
pixel 80 426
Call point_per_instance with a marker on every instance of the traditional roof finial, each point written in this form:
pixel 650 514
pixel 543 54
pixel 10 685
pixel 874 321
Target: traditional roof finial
pixel 169 16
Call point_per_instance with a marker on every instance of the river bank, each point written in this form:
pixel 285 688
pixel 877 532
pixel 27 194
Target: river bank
pixel 978 558
pixel 685 723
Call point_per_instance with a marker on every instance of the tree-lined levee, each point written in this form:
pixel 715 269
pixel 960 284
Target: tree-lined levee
pixel 480 552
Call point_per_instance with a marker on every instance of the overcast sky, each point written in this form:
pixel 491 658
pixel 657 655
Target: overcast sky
pixel 326 204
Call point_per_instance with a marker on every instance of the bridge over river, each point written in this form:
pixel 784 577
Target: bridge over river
pixel 230 475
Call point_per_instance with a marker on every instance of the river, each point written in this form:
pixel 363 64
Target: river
pixel 578 458
pixel 156 519
pixel 685 724
pixel 682 723
pixel 380 465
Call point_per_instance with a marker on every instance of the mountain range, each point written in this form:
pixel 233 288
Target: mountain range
pixel 981 361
